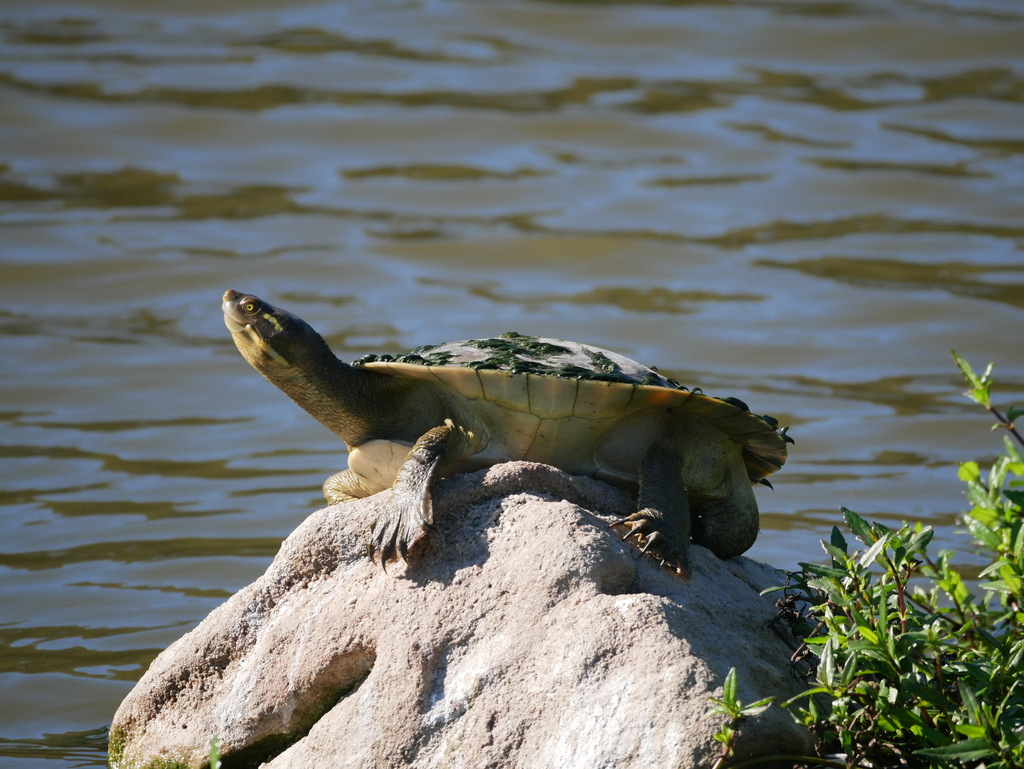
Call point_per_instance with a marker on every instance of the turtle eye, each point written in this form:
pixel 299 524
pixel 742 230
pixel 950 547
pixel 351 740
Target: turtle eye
pixel 250 305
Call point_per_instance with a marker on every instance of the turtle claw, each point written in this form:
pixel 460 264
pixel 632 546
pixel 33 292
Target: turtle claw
pixel 655 539
pixel 656 543
pixel 390 551
pixel 397 532
pixel 382 543
pixel 637 526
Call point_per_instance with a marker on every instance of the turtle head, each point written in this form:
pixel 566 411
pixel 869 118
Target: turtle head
pixel 271 339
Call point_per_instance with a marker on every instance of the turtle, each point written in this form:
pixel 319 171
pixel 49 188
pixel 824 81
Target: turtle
pixel 411 419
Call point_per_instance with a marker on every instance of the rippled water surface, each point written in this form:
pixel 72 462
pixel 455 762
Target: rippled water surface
pixel 802 204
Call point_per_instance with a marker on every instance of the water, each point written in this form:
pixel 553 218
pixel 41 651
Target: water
pixel 805 205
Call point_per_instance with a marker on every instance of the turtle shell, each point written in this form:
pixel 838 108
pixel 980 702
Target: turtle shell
pixel 554 379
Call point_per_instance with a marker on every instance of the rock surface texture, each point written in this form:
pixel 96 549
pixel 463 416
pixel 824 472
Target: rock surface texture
pixel 523 634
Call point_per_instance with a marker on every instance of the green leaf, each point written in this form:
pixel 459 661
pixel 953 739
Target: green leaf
pixel 979 392
pixel 809 695
pixel 970 730
pixel 215 762
pixel 972 749
pixel 954 585
pixel 985 515
pixel 827 665
pixel 838 541
pixel 978 496
pixel 875 550
pixel 971 703
pixel 837 554
pixel 729 688
pixel 883 610
pixel 920 540
pixel 906 719
pixel 997 473
pixel 868 634
pixel 1012 451
pixel 858 525
pixel 757 708
pixel 926 692
pixel 833 590
pixel 1012 579
pixel 969 472
pixel 822 571
pixel 850 669
pixel 965 368
pixel 983 533
pixel 994 568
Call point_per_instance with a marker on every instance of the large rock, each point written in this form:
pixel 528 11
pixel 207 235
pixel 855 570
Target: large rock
pixel 524 634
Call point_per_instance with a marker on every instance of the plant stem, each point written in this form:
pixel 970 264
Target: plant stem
pixel 809 760
pixel 1007 424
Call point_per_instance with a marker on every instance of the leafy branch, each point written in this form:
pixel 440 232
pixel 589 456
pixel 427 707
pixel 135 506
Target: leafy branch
pixel 913 665
pixel 980 393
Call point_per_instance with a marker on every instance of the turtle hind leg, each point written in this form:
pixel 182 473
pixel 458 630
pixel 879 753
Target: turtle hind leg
pixel 728 525
pixel 345 486
pixel 661 523
pixel 410 515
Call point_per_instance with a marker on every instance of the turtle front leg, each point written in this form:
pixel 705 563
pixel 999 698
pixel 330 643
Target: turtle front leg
pixel 410 513
pixel 661 523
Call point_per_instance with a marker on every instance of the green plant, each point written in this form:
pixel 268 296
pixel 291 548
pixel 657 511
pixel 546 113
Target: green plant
pixel 734 711
pixel 910 668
